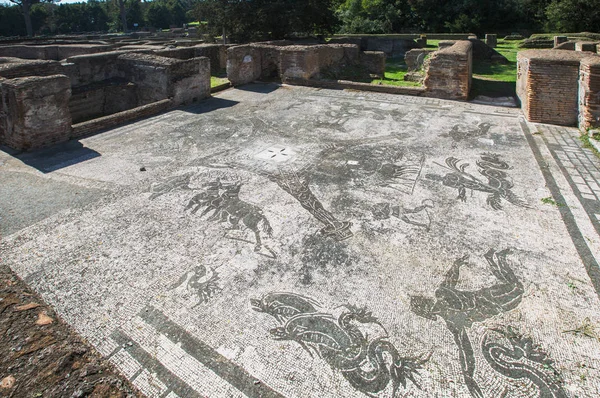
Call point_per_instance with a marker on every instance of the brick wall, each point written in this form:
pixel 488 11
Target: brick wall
pixel 244 64
pixel 547 85
pixel 36 111
pixel 449 72
pixel 299 62
pixel 589 93
pixel 52 52
pixel 158 78
pixel 11 68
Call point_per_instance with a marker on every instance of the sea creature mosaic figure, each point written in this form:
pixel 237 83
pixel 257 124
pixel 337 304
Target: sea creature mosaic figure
pixel 418 216
pixel 169 185
pixel 222 198
pixel 368 364
pixel 521 359
pixel 200 282
pixel 498 185
pixel 460 309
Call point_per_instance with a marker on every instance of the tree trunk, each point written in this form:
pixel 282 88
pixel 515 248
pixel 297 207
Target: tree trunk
pixel 123 14
pixel 27 15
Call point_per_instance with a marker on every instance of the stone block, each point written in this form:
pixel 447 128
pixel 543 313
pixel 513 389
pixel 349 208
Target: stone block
pixel 243 64
pixel 589 93
pixel 547 85
pixel 299 62
pixel 449 72
pixel 558 40
pixel 373 62
pixel 589 46
pixel 36 111
pixel 414 58
pixel 491 40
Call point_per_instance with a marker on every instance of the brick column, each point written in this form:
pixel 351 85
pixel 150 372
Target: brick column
pixel 589 93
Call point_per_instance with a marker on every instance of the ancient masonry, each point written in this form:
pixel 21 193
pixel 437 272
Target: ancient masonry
pixel 560 87
pixel 55 92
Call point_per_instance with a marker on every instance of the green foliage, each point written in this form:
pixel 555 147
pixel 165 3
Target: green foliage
pixel 246 21
pixel 574 15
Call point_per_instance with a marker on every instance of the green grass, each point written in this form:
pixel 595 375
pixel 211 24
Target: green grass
pixel 395 69
pixel 495 79
pixel 218 78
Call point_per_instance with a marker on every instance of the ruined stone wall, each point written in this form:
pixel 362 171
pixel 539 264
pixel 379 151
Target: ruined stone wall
pixel 88 69
pixel 589 93
pixel 11 68
pixel 217 53
pixel 244 64
pixel 301 62
pixel 52 52
pixel 105 122
pixel 449 72
pixel 35 111
pixel 158 78
pixel 97 100
pixel 547 85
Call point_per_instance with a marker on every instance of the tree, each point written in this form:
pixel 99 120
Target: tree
pixel 25 6
pixel 266 19
pixel 574 15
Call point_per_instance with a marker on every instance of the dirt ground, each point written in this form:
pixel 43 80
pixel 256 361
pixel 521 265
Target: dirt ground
pixel 40 356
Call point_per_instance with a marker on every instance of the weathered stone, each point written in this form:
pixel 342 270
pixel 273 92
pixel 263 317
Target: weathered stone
pixel 373 62
pixel 300 62
pixel 36 111
pixel 586 46
pixel 547 85
pixel 449 72
pixel 243 64
pixel 445 44
pixel 491 40
pixel 559 40
pixel 589 93
pixel 414 58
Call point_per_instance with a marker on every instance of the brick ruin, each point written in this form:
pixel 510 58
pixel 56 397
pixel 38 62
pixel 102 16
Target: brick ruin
pixel 53 92
pixel 560 87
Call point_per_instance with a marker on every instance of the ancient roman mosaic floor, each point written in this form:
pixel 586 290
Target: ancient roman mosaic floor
pixel 288 241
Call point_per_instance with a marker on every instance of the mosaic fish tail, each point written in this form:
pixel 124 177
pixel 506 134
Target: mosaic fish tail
pixel 521 360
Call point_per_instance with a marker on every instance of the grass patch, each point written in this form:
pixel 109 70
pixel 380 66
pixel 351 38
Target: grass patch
pixel 550 201
pixel 585 141
pixel 395 69
pixel 218 78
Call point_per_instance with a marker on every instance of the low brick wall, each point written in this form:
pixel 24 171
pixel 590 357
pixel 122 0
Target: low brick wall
pixel 244 64
pixel 589 93
pixel 11 68
pixel 36 111
pixel 348 85
pixel 158 78
pixel 116 119
pixel 217 53
pixel 302 62
pixel 449 72
pixel 547 85
pixel 52 52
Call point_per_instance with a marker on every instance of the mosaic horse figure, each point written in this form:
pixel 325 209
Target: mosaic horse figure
pixel 369 365
pixel 224 201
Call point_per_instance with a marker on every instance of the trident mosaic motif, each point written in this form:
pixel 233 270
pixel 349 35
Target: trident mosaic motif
pixel 297 186
pixel 368 363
